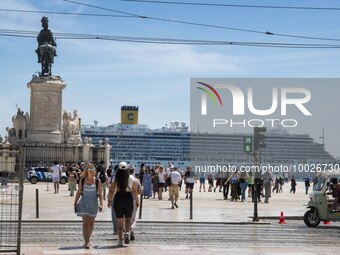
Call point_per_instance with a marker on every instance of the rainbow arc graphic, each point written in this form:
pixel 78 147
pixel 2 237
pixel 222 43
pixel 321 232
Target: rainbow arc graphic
pixel 209 90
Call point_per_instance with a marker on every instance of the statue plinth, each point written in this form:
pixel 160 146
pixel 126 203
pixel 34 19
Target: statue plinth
pixel 45 109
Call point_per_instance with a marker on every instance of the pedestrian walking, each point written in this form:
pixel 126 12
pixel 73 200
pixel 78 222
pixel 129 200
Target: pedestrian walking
pixel 189 181
pixel 243 185
pixel 286 175
pixel 218 184
pixel 90 190
pixel 113 214
pixel 267 185
pixel 281 183
pixel 258 185
pixel 226 184
pixel 175 178
pixel 102 176
pixel 56 169
pixel 109 171
pixel 147 183
pixel 123 193
pixel 307 181
pixel 131 170
pixel 82 166
pixel 155 181
pixel 293 185
pixel 210 182
pixel 78 173
pixel 161 182
pixel 202 182
pixel 72 180
pixel 141 173
pixel 250 182
pixel 181 181
pixel 276 184
pixel 233 180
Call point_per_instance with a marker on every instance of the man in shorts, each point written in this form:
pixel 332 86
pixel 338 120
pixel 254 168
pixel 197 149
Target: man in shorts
pixel 56 169
pixel 175 177
pixel 190 179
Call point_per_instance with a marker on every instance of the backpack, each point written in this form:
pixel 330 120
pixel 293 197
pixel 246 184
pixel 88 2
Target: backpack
pixel 233 180
pixel 102 176
pixel 168 181
pixel 82 185
pixel 72 176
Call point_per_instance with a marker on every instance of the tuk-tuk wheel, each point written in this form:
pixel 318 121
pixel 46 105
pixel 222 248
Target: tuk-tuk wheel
pixel 311 218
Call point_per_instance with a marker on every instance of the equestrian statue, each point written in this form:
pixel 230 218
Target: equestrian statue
pixel 46 50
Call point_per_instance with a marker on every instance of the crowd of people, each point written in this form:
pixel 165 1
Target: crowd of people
pixel 239 185
pixel 91 183
pixel 121 188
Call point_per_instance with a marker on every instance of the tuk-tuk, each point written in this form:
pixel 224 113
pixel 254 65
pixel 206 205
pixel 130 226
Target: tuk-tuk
pixel 321 202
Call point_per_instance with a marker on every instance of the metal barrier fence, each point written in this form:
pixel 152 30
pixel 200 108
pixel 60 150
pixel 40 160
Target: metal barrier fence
pixel 11 194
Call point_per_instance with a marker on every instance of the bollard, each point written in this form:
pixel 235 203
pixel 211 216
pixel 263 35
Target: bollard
pixel 140 205
pixel 37 203
pixel 256 194
pixel 190 204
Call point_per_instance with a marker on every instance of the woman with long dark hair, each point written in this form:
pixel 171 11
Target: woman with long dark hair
pixel 123 192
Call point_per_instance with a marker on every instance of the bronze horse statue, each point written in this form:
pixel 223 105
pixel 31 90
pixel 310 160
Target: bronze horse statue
pixel 46 60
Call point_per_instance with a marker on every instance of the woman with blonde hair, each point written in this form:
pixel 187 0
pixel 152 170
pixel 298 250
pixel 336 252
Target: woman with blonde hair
pixel 90 190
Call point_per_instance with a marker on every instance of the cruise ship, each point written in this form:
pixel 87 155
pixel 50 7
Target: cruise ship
pixel 137 143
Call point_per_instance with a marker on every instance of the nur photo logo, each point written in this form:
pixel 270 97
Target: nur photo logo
pixel 279 101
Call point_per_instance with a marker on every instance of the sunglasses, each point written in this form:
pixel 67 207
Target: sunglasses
pixel 91 169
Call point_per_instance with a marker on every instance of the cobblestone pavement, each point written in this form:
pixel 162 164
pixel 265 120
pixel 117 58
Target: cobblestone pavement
pixel 243 235
pixel 59 230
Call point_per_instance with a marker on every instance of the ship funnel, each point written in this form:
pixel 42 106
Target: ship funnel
pixel 129 115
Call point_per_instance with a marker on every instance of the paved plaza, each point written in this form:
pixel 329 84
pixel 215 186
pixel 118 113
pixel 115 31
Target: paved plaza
pixel 208 206
pixel 218 226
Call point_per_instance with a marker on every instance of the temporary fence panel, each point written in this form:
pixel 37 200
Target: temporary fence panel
pixel 11 194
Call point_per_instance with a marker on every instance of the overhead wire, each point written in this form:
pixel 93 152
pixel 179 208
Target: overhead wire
pixel 208 25
pixel 67 13
pixel 236 5
pixel 22 33
pixel 33 34
pixel 103 8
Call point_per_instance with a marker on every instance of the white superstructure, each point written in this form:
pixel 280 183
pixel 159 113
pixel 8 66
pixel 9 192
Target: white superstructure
pixel 138 144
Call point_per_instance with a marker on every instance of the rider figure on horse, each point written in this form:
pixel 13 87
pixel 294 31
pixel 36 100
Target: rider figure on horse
pixel 45 40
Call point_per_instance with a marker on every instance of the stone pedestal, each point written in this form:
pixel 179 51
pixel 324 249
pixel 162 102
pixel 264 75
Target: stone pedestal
pixel 86 153
pixel 107 154
pixel 45 109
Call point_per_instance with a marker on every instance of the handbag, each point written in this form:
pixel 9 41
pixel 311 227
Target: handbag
pixel 168 181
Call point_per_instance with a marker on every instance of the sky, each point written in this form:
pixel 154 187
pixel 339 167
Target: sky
pixel 103 75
